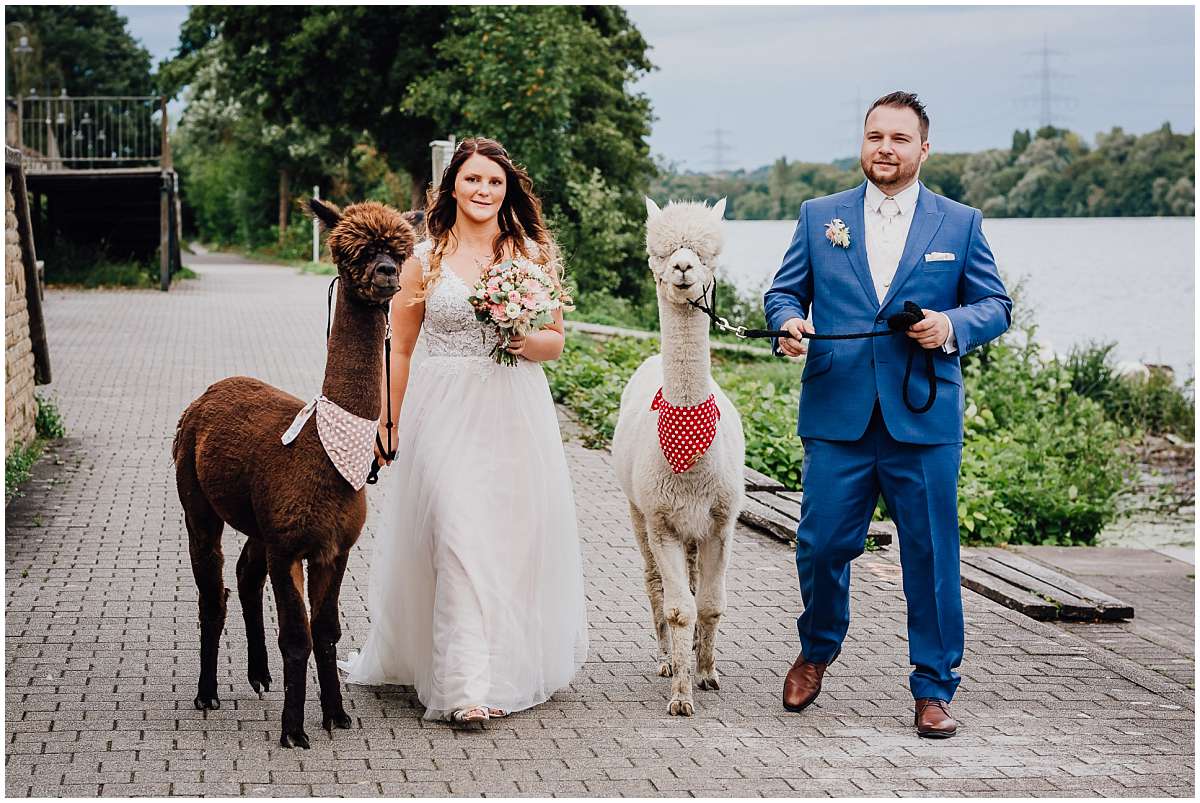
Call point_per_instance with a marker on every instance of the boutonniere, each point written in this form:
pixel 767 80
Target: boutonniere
pixel 837 233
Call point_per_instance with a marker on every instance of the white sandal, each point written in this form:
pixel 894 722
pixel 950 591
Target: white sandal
pixel 474 713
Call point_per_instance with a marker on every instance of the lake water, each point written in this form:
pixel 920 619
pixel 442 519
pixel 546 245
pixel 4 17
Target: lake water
pixel 1129 280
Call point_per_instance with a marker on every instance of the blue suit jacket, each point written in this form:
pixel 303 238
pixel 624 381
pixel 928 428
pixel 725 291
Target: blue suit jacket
pixel 843 378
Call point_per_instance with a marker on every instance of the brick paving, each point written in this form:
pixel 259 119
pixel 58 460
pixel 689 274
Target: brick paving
pixel 101 635
pixel 1162 634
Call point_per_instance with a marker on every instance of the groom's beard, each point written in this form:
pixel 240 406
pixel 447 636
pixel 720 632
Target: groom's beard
pixel 901 178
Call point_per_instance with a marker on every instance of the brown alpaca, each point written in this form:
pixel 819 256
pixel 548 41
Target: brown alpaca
pixel 290 500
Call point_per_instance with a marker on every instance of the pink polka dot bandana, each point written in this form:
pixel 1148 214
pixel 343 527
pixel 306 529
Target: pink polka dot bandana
pixel 685 433
pixel 348 440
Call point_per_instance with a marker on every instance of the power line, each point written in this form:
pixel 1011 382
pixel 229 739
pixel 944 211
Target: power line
pixel 856 122
pixel 1046 99
pixel 719 148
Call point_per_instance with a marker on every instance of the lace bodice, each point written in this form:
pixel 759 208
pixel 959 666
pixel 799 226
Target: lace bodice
pixel 450 327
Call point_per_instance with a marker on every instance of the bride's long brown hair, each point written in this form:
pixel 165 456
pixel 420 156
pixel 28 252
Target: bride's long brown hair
pixel 520 214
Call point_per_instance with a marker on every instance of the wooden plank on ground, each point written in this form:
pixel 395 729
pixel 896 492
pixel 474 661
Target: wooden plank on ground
pixel 785 506
pixel 1008 595
pixel 884 532
pixel 769 520
pixel 757 481
pixel 1069 606
pixel 1105 606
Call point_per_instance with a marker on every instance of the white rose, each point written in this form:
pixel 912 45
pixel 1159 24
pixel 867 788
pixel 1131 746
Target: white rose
pixel 512 310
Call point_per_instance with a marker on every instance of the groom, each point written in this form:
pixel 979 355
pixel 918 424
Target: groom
pixel 855 258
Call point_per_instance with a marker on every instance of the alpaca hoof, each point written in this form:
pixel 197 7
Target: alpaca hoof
pixel 708 682
pixel 260 683
pixel 681 708
pixel 339 719
pixel 294 739
pixel 204 702
pixel 664 668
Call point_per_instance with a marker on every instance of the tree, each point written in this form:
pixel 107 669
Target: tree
pixel 83 49
pixel 337 71
pixel 552 84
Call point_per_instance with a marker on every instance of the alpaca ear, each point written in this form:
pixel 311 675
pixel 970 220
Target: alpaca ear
pixel 651 208
pixel 327 213
pixel 719 209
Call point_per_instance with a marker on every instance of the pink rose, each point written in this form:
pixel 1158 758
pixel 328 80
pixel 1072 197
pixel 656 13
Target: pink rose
pixel 514 297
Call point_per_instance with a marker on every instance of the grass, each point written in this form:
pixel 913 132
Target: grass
pixel 18 464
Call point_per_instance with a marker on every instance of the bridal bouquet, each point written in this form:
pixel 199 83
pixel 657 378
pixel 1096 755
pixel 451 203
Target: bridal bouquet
pixel 518 297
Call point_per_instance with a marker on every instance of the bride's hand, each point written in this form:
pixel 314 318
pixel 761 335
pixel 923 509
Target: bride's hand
pixel 516 345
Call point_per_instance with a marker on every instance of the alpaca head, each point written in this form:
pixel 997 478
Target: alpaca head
pixel 369 242
pixel 684 241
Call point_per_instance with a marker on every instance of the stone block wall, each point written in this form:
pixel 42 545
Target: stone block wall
pixel 20 408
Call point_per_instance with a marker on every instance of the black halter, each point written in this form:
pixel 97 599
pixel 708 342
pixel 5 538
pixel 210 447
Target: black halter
pixel 388 453
pixel 898 323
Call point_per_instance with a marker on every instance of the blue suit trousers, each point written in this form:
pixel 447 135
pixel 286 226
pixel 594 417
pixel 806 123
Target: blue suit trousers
pixel 919 483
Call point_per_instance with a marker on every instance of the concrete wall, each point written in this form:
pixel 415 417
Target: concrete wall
pixel 20 405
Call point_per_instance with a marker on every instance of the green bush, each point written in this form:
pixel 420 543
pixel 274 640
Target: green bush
pixel 48 423
pixel 91 265
pixel 1153 404
pixel 1041 462
pixel 590 376
pixel 17 465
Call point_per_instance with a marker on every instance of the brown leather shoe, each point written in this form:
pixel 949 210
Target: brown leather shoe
pixel 803 684
pixel 933 719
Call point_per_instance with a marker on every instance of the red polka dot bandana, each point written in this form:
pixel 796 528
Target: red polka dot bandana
pixel 349 441
pixel 685 433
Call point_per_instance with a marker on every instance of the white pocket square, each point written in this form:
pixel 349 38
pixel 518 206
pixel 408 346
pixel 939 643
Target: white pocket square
pixel 939 256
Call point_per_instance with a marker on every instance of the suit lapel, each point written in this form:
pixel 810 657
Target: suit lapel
pixel 851 213
pixel 926 221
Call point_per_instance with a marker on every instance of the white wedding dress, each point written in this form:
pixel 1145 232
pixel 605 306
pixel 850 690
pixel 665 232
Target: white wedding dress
pixel 476 591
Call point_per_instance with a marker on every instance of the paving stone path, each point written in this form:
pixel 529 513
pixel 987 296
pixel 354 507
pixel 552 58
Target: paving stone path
pixel 101 635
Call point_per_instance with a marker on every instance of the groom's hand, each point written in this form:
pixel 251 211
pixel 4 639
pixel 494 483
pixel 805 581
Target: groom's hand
pixel 932 332
pixel 793 346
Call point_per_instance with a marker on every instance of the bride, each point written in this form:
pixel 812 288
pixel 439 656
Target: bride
pixel 476 591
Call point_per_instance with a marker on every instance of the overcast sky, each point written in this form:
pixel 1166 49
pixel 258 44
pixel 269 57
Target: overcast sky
pixel 795 81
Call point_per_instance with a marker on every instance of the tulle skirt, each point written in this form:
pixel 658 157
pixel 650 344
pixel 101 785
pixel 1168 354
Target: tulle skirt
pixel 476 587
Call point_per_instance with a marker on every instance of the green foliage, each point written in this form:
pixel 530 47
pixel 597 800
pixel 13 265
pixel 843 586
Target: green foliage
pixel 86 50
pixel 550 82
pixel 18 463
pixel 590 376
pixel 1041 463
pixel 90 266
pixel 48 423
pixel 1152 403
pixel 17 466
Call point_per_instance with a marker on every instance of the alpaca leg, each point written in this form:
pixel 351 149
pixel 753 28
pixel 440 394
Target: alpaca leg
pixel 204 528
pixel 679 608
pixel 654 590
pixel 251 577
pixel 710 602
pixel 295 642
pixel 324 587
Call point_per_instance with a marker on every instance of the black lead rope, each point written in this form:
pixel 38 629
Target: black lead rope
pixel 898 323
pixel 389 453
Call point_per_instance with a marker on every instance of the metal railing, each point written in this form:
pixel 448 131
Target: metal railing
pixel 91 133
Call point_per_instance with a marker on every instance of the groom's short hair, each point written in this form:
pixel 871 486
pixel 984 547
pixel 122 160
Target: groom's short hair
pixel 904 100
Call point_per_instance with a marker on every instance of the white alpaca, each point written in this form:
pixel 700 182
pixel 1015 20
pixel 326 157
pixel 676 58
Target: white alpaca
pixel 683 521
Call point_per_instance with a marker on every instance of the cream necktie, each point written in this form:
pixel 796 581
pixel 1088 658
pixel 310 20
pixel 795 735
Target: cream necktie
pixel 890 210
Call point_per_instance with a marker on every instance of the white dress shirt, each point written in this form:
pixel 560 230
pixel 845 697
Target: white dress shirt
pixel 887 232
